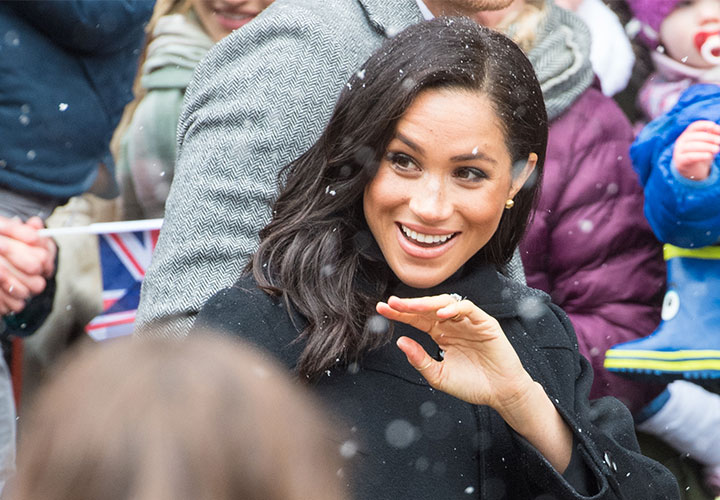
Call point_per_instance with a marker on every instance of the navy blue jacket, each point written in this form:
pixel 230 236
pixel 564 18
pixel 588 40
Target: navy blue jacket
pixel 66 72
pixel 681 211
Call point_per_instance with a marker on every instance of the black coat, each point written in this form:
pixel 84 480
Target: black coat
pixel 414 442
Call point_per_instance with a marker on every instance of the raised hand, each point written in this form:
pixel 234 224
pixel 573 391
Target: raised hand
pixel 26 261
pixel 696 148
pixel 480 366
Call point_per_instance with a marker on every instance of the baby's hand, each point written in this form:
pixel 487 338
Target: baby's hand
pixel 696 148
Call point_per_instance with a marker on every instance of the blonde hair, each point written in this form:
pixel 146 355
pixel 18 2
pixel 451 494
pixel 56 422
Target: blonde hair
pixel 203 418
pixel 522 26
pixel 162 8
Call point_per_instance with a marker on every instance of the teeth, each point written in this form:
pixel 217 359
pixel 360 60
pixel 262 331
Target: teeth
pixel 426 238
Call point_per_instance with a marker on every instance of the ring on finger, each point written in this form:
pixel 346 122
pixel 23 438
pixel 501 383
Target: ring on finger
pixel 458 298
pixel 425 367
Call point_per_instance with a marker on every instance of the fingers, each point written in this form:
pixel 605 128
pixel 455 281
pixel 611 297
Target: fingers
pixel 15 229
pixel 18 284
pixel 698 155
pixel 48 264
pixel 457 310
pixel 31 255
pixel 466 311
pixel 447 321
pixel 21 245
pixel 384 309
pixel 421 312
pixel 696 149
pixel 48 244
pixel 425 312
pixel 9 301
pixel 10 305
pixel 694 153
pixel 421 304
pixel 704 126
pixel 698 144
pixel 701 136
pixel 28 259
pixel 413 312
pixel 419 359
pixel 35 222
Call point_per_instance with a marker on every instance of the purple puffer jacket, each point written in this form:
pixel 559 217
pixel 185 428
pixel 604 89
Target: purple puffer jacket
pixel 589 245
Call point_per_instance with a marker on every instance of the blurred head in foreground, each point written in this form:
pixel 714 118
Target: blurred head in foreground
pixel 201 418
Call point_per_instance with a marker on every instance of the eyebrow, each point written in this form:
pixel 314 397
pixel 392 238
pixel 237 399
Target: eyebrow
pixel 473 156
pixel 478 155
pixel 410 143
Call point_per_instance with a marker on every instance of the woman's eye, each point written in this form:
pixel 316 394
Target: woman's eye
pixel 401 161
pixel 470 174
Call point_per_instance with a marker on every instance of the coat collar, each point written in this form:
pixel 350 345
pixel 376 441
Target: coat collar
pixel 494 293
pixel 390 18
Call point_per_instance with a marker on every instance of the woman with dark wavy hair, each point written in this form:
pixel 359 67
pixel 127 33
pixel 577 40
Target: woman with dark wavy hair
pixel 407 208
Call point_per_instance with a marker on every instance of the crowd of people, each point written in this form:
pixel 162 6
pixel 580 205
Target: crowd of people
pixel 441 260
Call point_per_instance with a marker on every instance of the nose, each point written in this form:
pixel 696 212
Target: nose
pixel 429 200
pixel 709 11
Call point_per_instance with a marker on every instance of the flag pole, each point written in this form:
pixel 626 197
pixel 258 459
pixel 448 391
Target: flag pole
pixel 128 226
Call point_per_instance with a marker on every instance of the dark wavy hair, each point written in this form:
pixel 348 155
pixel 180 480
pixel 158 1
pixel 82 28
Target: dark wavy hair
pixel 317 251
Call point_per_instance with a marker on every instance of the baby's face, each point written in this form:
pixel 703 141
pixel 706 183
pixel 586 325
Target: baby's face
pixel 683 32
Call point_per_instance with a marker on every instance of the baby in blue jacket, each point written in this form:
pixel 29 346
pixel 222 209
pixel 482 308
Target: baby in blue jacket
pixel 676 158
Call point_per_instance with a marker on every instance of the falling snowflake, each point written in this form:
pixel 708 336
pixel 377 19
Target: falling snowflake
pixel 586 226
pixel 348 449
pixel 400 434
pixel 378 324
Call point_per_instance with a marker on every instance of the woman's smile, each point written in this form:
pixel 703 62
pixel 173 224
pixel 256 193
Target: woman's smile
pixel 231 21
pixel 425 243
pixel 221 17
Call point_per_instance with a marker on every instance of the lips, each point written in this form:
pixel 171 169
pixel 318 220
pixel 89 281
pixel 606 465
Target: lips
pixel 232 21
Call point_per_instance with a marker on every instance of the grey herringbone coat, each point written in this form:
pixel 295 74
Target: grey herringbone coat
pixel 259 99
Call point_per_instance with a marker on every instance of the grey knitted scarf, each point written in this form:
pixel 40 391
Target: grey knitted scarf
pixel 561 58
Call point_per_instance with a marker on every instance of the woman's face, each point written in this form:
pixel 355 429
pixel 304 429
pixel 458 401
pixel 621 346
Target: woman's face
pixel 683 31
pixel 220 17
pixel 441 187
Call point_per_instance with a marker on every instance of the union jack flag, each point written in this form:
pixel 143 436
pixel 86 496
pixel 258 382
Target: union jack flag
pixel 124 258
